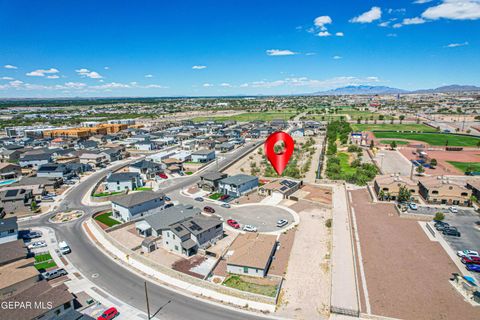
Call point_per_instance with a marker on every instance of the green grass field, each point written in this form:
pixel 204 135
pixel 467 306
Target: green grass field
pixel 106 220
pixel 463 166
pixel 238 283
pixel 144 189
pixel 436 139
pixel 345 163
pixel 399 142
pixel 106 194
pixel 44 261
pixel 250 116
pixel 392 127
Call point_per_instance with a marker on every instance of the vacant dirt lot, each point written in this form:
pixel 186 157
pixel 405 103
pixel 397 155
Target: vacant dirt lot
pixel 306 289
pixel 406 273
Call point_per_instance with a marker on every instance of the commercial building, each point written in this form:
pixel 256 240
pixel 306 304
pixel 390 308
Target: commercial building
pixel 443 190
pixel 389 186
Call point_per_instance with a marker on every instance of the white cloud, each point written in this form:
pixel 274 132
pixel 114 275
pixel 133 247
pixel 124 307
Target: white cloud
pixel 42 72
pixel 7 78
pixel 89 74
pixel 106 68
pixel 207 85
pixel 16 83
pixel 54 76
pixel 321 21
pixel 226 85
pixel 310 53
pixel 324 34
pixel 384 24
pixel 148 76
pixel 75 85
pixel 339 34
pixel 422 1
pixel 455 10
pixel 397 25
pixel 455 45
pixel 312 83
pixel 415 20
pixel 392 35
pixel 277 52
pixel 199 67
pixel 337 57
pixel 9 66
pixel 371 15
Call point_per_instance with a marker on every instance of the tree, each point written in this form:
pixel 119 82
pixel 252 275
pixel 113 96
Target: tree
pixel 473 199
pixel 439 216
pixel 404 194
pixel 33 205
pixel 420 169
pixel 372 144
pixel 402 117
pixel 433 163
pixel 381 195
pixel 393 145
pixel 478 144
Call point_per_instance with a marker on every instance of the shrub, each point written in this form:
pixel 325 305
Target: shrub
pixel 328 223
pixel 439 216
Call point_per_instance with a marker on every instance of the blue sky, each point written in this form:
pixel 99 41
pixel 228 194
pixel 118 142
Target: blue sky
pixel 58 48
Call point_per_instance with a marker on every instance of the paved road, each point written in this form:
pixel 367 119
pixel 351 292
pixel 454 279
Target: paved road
pixel 121 283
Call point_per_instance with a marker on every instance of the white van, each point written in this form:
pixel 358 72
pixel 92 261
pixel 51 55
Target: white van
pixel 64 248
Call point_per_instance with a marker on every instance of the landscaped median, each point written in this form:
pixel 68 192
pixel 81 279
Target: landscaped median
pixel 185 283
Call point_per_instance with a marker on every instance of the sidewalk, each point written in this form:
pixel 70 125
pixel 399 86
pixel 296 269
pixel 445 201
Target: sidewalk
pixel 344 283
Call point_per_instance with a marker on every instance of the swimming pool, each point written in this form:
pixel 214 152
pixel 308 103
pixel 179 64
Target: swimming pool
pixel 6 182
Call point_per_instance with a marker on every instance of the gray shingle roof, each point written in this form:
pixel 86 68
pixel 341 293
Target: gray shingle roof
pixel 238 179
pixel 165 218
pixel 137 198
pixel 122 176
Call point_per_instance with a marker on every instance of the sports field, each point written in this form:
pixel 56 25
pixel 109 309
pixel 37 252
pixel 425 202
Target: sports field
pixel 463 166
pixel 398 142
pixel 433 139
pixel 392 127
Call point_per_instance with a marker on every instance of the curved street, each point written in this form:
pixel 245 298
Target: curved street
pixel 119 282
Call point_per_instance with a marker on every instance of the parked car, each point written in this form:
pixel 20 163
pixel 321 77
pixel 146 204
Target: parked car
pixel 471 260
pixel 224 197
pixel 163 175
pixel 249 228
pixel 199 199
pixel 109 314
pixel 413 206
pixel 441 226
pixel 167 198
pixel 32 235
pixel 233 223
pixel 453 209
pixel 473 267
pixel 452 231
pixel 468 253
pixel 64 247
pixel 168 205
pixel 226 205
pixel 37 244
pixel 282 223
pixel 208 209
pixel 49 275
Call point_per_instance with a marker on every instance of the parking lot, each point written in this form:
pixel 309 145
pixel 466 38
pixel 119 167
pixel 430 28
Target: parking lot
pixel 470 234
pixel 430 211
pixel 407 275
pixel 391 161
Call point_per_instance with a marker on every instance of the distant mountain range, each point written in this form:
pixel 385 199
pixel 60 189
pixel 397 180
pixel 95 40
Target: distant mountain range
pixel 372 90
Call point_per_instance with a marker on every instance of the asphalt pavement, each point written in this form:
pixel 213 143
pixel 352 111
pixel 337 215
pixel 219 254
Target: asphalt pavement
pixel 120 282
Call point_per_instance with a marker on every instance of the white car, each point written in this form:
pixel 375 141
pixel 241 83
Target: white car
pixel 249 228
pixel 37 244
pixel 453 209
pixel 467 253
pixel 282 222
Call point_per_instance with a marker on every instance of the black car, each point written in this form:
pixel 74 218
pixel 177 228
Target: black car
pixel 167 198
pixel 440 226
pixel 451 232
pixel 32 235
pixel 168 205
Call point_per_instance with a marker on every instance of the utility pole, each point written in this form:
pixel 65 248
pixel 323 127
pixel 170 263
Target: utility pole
pixel 148 305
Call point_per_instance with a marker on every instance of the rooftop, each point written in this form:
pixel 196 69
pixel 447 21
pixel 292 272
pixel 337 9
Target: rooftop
pixel 251 250
pixel 137 198
pixel 238 179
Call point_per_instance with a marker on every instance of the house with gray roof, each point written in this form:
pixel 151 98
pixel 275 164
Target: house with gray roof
pixel 137 204
pixel 209 180
pixel 8 230
pixel 147 169
pixel 120 181
pixel 238 185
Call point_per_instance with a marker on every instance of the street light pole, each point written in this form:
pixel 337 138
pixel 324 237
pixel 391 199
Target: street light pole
pixel 148 305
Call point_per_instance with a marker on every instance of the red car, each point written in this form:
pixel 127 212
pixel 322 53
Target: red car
pixel 209 209
pixel 234 224
pixel 109 314
pixel 163 175
pixel 224 197
pixel 471 260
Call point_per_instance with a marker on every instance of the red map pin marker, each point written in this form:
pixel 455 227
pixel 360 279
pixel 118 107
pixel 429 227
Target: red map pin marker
pixel 279 161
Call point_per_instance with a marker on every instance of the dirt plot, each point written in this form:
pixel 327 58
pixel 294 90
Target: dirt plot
pixel 282 255
pixel 407 275
pixel 184 265
pixel 443 167
pixel 318 194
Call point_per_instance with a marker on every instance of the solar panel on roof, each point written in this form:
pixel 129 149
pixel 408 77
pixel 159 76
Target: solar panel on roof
pixel 178 229
pixel 11 193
